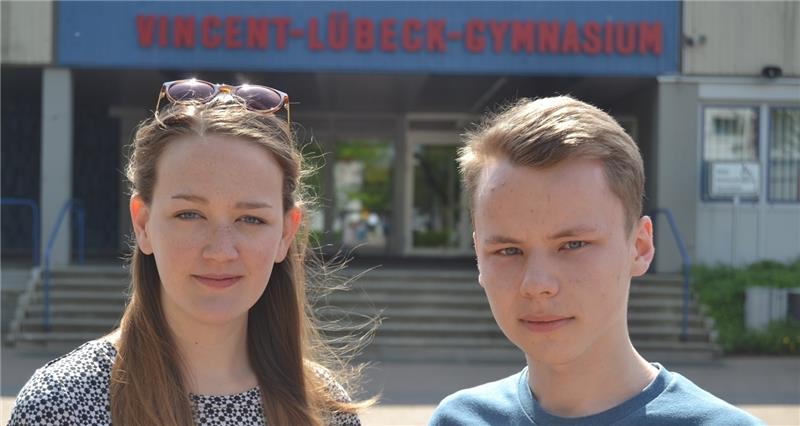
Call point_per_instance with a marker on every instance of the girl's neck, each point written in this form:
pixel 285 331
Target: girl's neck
pixel 214 356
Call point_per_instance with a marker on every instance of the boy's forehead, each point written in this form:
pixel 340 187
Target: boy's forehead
pixel 569 194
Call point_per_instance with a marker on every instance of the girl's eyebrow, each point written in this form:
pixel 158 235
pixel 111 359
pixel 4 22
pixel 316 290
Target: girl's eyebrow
pixel 243 205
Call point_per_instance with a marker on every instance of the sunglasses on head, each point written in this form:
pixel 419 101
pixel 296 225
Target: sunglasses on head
pixel 254 97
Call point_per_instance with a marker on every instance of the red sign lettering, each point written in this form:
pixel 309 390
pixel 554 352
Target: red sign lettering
pixel 498 31
pixel 257 33
pixel 337 31
pixel 591 37
pixel 435 33
pixel 624 38
pixel 548 36
pixel 183 32
pixel 314 44
pixel 364 35
pixel 474 40
pixel 411 43
pixel 522 36
pixel 207 39
pixel 144 30
pixel 387 35
pixel 232 32
pixel 650 38
pixel 281 28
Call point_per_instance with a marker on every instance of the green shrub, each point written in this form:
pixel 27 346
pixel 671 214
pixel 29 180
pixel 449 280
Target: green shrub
pixel 722 290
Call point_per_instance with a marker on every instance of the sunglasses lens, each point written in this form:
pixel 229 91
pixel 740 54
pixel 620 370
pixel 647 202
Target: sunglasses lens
pixel 191 90
pixel 259 98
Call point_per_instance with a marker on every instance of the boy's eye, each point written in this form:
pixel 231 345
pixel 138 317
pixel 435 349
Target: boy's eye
pixel 187 215
pixel 509 251
pixel 573 245
pixel 252 220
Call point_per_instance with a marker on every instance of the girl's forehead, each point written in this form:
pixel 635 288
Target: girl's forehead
pixel 217 166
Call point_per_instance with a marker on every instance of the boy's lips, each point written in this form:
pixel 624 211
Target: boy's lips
pixel 544 323
pixel 217 281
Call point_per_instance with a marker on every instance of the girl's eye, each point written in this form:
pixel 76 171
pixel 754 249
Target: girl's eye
pixel 187 215
pixel 509 251
pixel 252 220
pixel 574 245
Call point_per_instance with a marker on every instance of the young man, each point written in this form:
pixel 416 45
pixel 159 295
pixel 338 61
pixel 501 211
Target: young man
pixel 556 187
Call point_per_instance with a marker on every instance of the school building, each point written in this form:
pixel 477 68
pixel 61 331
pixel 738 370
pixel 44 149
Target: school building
pixel 381 91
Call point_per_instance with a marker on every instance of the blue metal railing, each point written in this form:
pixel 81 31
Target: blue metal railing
pixel 35 222
pixel 80 224
pixel 686 266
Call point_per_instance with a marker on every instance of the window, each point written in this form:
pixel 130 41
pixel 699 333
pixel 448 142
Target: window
pixel 784 155
pixel 730 137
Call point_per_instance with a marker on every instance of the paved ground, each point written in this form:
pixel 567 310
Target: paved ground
pixel 766 387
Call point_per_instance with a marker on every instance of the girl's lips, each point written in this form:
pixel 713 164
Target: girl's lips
pixel 545 324
pixel 217 282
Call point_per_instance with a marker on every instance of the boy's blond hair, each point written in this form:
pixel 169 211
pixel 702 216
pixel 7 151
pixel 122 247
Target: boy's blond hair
pixel 543 132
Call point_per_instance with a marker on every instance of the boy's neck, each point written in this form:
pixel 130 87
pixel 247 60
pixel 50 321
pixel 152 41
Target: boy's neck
pixel 594 383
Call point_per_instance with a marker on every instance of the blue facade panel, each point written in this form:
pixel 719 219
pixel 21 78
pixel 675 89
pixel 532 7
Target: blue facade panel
pixel 531 38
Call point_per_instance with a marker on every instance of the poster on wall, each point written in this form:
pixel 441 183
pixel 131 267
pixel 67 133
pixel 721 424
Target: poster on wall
pixel 732 179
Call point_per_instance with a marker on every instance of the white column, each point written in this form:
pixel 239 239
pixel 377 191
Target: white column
pixel 56 167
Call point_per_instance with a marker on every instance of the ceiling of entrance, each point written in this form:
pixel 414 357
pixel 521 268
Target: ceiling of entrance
pixel 373 93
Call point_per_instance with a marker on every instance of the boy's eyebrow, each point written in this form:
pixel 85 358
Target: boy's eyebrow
pixel 500 239
pixel 574 231
pixel 244 205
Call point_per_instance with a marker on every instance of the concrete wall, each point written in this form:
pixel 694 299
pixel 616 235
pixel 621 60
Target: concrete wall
pixel 743 233
pixel 677 174
pixel 740 38
pixel 718 231
pixel 26 32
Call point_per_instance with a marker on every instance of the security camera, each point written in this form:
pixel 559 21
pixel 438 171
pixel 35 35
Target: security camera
pixel 771 71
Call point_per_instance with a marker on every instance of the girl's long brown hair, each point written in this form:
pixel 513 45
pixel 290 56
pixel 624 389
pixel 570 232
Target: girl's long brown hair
pixel 284 347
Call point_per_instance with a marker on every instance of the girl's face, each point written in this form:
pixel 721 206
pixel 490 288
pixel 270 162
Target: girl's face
pixel 215 226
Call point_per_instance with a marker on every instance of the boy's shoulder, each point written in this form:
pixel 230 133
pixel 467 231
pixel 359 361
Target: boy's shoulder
pixel 498 402
pixel 684 402
pixel 671 399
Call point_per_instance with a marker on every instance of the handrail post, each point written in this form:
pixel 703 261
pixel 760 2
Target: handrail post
pixel 80 215
pixel 685 268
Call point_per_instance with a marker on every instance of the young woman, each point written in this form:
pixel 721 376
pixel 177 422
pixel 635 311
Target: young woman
pixel 217 329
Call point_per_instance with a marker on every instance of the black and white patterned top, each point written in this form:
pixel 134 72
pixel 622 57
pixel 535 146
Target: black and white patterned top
pixel 74 390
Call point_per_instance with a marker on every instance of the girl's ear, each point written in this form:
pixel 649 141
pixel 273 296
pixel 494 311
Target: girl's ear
pixel 140 214
pixel 291 223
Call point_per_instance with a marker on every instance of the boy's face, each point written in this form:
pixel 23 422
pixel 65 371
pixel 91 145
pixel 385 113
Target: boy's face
pixel 555 258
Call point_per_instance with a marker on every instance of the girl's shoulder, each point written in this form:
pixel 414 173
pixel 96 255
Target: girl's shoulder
pixel 336 392
pixel 64 389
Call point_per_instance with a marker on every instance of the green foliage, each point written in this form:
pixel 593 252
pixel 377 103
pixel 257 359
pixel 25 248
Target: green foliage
pixel 722 290
pixel 376 189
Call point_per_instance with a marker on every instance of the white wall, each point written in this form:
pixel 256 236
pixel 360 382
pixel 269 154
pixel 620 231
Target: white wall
pixel 26 32
pixel 741 37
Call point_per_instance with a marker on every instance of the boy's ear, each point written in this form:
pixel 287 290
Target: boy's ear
pixel 140 214
pixel 475 247
pixel 291 223
pixel 642 248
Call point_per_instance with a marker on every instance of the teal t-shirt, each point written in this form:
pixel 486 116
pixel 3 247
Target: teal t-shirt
pixel 670 399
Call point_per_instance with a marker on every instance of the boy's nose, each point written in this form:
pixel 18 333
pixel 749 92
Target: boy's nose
pixel 538 282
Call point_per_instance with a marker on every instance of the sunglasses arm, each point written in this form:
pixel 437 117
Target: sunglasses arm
pixel 161 95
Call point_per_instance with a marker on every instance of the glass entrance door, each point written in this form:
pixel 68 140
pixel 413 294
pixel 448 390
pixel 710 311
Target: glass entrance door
pixel 438 222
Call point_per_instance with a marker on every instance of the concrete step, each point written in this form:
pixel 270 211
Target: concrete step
pixel 82 296
pixel 74 309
